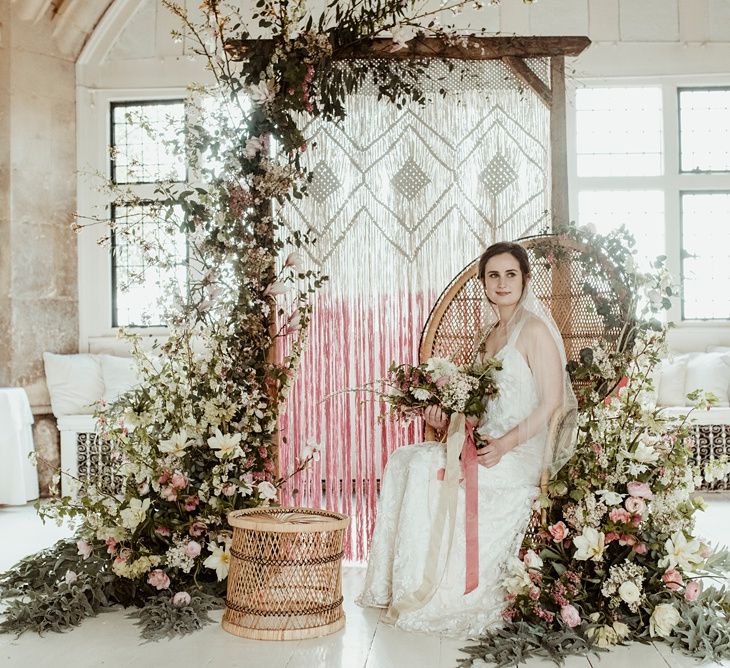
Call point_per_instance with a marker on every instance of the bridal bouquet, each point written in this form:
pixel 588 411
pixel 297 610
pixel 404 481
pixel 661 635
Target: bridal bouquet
pixel 438 381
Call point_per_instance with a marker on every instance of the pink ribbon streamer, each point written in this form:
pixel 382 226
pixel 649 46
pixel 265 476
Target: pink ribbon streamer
pixel 469 465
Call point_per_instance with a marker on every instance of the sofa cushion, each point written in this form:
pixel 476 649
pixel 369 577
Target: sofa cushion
pixel 74 382
pixel 671 381
pixel 119 375
pixel 709 372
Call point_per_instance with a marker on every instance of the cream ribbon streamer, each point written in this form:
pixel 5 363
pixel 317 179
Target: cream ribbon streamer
pixel 445 517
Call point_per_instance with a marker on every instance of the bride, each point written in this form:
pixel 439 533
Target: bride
pixel 419 555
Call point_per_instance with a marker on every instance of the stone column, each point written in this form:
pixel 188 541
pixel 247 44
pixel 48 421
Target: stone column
pixel 38 283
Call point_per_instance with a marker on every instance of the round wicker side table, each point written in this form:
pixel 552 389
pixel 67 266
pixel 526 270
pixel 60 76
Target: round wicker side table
pixel 285 575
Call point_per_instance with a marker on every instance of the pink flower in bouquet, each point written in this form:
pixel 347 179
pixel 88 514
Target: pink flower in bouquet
pixel 192 549
pixel 84 548
pixel 197 529
pixel 269 465
pixel 639 489
pixel 263 452
pixel 181 599
pixel 164 532
pixel 443 380
pixel 165 477
pixel 627 539
pixel 705 550
pixel 158 579
pixel 610 537
pixel 168 493
pixel 570 615
pixel 124 555
pixel 597 449
pixel 111 545
pixel 636 520
pixel 641 548
pixel 534 594
pixel 635 505
pixel 692 591
pixel 619 515
pixel 191 503
pixel 558 531
pixel 179 481
pixel 228 489
pixel 672 579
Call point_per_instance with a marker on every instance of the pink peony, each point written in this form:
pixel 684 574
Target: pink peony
pixel 639 489
pixel 672 579
pixel 619 515
pixel 610 537
pixel 570 615
pixel 181 599
pixel 692 591
pixel 640 548
pixel 164 478
pixel 197 529
pixel 158 579
pixel 635 505
pixel 179 481
pixel 192 549
pixel 558 531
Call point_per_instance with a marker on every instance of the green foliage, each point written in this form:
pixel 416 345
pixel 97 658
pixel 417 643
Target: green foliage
pixel 160 618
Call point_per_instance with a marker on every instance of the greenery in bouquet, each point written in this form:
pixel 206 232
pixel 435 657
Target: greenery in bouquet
pixel 616 558
pixel 438 381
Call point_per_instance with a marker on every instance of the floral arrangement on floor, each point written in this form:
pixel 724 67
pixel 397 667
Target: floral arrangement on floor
pixel 616 558
pixel 438 381
pixel 198 437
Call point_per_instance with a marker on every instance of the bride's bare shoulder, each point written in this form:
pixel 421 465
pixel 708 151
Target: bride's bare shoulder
pixel 535 327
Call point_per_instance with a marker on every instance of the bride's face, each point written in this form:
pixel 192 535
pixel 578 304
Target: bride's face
pixel 503 280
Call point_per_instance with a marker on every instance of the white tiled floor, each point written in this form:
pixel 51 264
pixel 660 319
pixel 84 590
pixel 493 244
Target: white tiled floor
pixel 111 640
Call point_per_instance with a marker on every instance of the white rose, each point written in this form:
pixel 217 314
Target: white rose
pixel 629 592
pixel 532 560
pixel 663 620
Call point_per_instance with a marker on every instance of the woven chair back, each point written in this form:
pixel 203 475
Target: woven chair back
pixel 585 300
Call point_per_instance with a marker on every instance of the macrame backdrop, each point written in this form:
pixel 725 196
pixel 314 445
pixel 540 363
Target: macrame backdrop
pixel 400 201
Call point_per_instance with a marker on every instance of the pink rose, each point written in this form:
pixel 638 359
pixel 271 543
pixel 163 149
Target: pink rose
pixel 181 599
pixel 619 515
pixel 162 531
pixel 639 489
pixel 164 478
pixel 610 537
pixel 692 591
pixel 191 503
pixel 627 539
pixel 192 549
pixel 570 615
pixel 179 481
pixel 111 545
pixel 635 505
pixel 197 529
pixel 640 548
pixel 158 579
pixel 558 531
pixel 672 579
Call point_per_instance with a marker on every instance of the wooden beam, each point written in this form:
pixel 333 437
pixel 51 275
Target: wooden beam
pixel 459 48
pixel 558 139
pixel 527 76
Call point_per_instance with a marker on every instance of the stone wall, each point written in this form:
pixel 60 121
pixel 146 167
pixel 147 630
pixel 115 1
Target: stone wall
pixel 38 262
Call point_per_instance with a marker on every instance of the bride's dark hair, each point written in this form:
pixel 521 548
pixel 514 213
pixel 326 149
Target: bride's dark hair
pixel 501 247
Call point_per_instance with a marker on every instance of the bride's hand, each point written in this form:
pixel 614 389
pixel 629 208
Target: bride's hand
pixel 435 417
pixel 490 454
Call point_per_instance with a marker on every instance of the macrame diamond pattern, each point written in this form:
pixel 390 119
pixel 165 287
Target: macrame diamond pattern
pixel 497 175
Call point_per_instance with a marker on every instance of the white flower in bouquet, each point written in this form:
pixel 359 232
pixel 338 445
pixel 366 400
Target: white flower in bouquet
pixel 219 560
pixel 421 393
pixel 455 393
pixel 266 491
pixel 590 544
pixel 681 552
pixel 225 445
pixel 263 92
pixel 311 449
pixel 645 454
pixel 609 497
pixel 439 367
pixel 134 514
pixel 176 444
pixel 663 620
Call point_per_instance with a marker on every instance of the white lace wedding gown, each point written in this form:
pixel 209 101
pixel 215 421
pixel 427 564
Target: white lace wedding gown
pixel 408 500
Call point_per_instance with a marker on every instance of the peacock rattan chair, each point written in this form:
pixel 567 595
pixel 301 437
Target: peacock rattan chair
pixel 583 295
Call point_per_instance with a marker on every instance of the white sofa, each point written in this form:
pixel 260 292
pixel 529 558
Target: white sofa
pixel 709 371
pixel 76 383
